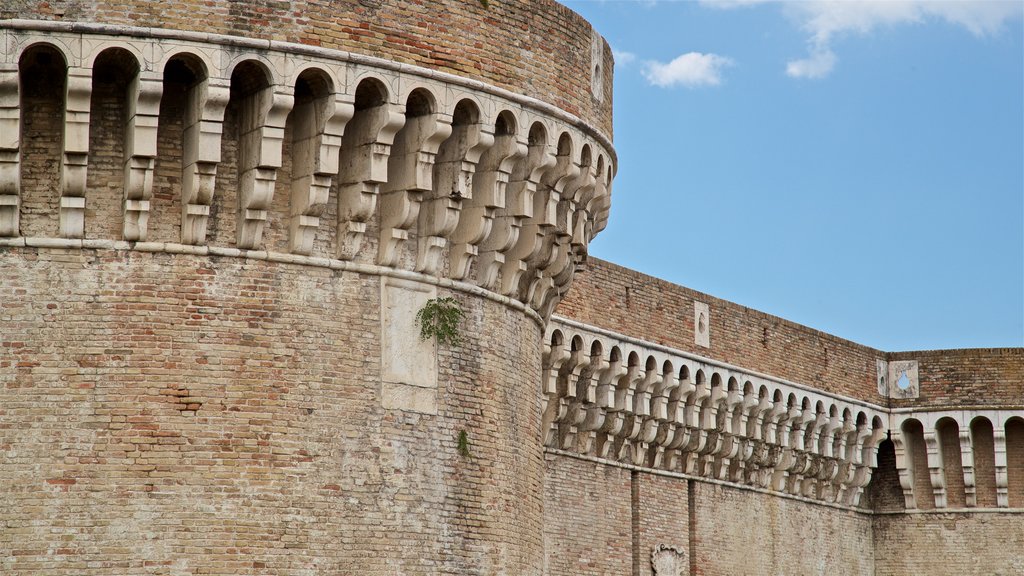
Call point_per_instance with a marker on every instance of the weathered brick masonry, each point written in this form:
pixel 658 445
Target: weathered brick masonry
pixel 543 51
pixel 217 221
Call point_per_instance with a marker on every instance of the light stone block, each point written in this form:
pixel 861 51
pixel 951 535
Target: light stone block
pixel 408 364
pixel 903 381
pixel 701 324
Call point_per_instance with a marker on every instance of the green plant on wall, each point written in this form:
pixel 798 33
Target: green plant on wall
pixel 463 444
pixel 439 318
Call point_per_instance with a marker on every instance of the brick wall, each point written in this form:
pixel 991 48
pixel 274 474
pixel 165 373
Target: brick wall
pixel 743 532
pixel 626 301
pixel 977 377
pixel 961 544
pixel 540 48
pixel 168 414
pixel 883 492
pixel 616 298
pixel 603 519
pixel 587 518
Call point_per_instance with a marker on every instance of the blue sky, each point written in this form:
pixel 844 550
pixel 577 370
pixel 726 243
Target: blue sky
pixel 857 167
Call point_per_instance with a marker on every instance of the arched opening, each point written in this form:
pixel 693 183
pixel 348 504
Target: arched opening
pixel 883 492
pixel 113 74
pixel 917 459
pixel 42 75
pixel 983 450
pixel 303 185
pixel 363 166
pixel 952 462
pixel 181 110
pixel 234 212
pixel 1015 462
pixel 410 173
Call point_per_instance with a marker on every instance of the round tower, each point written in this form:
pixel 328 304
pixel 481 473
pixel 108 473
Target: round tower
pixel 219 224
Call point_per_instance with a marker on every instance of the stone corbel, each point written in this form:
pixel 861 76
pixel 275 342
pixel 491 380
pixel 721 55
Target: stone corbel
pixel 410 177
pixel 616 421
pixel 317 131
pixel 600 396
pixel 602 210
pixel 787 440
pixel 75 159
pixel 573 392
pixel 866 456
pixel 10 150
pixel 555 356
pixel 203 126
pixel 453 185
pixel 493 172
pixel 564 391
pixel 365 149
pixel 576 196
pixel 553 280
pixel 999 444
pixel 507 237
pixel 967 461
pixel 261 135
pixel 937 474
pixel 541 232
pixel 904 465
pixel 846 452
pixel 140 152
pixel 662 392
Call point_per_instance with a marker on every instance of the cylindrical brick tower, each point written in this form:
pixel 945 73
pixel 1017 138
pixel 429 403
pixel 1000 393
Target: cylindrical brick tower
pixel 218 222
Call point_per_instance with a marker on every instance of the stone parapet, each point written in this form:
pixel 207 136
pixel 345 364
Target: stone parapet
pixel 316 151
pixel 539 48
pixel 617 398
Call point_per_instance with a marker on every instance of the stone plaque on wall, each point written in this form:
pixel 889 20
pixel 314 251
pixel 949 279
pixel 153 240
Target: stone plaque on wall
pixel 668 561
pixel 903 381
pixel 701 324
pixel 408 364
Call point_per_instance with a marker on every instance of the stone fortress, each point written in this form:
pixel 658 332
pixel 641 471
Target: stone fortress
pixel 218 221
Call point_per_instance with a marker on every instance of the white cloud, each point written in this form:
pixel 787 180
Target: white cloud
pixel 824 20
pixel 691 70
pixel 623 58
pixel 817 65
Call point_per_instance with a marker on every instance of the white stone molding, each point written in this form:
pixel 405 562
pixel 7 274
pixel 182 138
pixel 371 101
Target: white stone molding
pixel 410 174
pixel 200 155
pixel 440 209
pixel 143 101
pixel 609 396
pixel 318 125
pixel 487 201
pixel 75 158
pixel 492 173
pixel 10 149
pixel 365 149
pixel 929 420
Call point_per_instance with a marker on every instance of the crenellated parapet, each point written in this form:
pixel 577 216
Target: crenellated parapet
pixel 613 397
pixel 357 159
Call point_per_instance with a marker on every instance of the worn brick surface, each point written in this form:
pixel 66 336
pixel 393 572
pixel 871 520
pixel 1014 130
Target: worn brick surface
pixel 971 377
pixel 539 48
pixel 178 415
pixel 587 518
pixel 616 298
pixel 949 544
pixel 743 532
